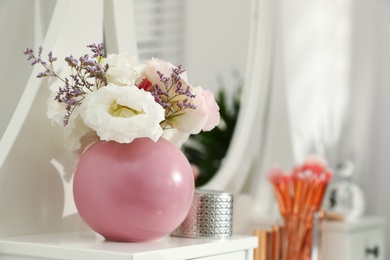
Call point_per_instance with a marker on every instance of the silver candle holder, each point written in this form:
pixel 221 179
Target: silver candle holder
pixel 210 216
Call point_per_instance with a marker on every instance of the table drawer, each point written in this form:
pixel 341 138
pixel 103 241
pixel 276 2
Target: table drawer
pixel 241 255
pixel 360 240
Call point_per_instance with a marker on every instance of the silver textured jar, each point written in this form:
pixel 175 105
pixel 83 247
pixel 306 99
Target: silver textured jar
pixel 210 216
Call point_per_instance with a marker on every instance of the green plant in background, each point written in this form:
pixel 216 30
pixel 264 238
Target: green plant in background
pixel 207 150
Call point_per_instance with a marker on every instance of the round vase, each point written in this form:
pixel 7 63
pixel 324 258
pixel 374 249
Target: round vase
pixel 133 192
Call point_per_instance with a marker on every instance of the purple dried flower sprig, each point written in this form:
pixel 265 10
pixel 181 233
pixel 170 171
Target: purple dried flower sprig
pixel 87 74
pixel 37 59
pixel 174 105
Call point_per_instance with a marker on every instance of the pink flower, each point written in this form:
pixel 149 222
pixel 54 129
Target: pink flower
pixel 156 65
pixel 188 109
pixel 213 116
pixel 204 117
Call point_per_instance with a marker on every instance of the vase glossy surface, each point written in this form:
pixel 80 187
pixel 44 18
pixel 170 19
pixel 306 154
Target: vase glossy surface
pixel 133 192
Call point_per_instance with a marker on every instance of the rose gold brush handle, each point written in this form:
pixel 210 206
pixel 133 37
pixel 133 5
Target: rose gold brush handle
pixel 262 252
pixel 305 214
pixel 275 241
pixel 298 190
pixel 319 188
pixel 280 199
pixel 320 193
pixel 283 194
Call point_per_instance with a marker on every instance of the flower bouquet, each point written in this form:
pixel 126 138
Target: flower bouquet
pixel 128 120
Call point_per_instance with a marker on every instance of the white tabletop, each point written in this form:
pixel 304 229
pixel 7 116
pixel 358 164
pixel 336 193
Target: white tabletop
pixel 88 245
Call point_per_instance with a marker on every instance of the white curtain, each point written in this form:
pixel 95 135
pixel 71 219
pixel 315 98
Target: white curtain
pixel 318 88
pixel 308 109
pixel 317 60
pixel 331 74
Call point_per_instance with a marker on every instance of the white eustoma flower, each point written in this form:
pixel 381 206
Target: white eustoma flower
pixel 122 113
pixel 123 69
pixel 175 137
pixel 74 131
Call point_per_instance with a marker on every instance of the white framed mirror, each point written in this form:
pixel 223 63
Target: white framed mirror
pixel 34 165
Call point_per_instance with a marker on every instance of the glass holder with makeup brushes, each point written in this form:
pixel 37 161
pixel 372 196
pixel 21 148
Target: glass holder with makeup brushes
pixel 299 197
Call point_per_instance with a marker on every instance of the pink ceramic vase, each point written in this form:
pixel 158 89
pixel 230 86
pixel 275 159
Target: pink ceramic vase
pixel 133 192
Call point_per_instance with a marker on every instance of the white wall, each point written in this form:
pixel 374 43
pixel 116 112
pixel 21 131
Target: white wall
pixel 378 178
pixel 216 41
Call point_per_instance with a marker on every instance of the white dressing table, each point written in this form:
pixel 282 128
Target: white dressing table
pixel 88 245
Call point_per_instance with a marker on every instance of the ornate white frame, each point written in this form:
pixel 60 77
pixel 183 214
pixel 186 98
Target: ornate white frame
pixel 35 195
